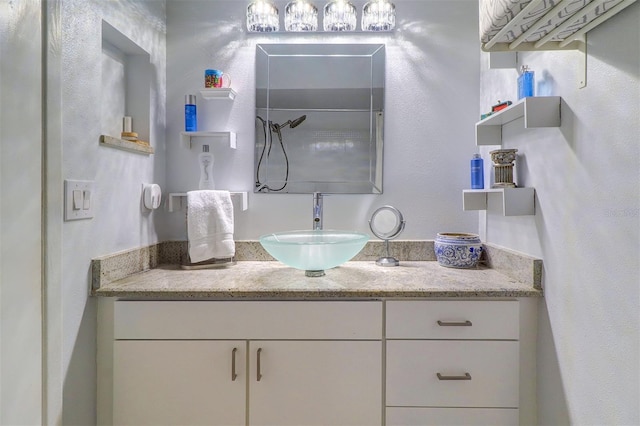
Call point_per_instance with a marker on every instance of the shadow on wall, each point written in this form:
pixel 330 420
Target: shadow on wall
pixel 550 391
pixel 619 49
pixel 79 396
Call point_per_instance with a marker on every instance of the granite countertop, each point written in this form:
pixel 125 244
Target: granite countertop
pixel 358 279
pixel 153 272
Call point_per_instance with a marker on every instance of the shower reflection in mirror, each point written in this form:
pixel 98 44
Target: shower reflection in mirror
pixel 274 128
pixel 319 118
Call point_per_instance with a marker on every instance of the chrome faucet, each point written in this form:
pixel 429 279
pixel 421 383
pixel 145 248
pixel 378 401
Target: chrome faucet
pixel 317 211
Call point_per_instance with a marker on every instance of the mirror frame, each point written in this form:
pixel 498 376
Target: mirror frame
pixel 397 229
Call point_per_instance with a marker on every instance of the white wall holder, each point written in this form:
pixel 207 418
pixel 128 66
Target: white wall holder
pixel 227 138
pixel 218 94
pixel 538 111
pixel 178 200
pixel 515 201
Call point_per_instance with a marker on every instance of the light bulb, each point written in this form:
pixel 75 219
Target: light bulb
pixel 262 16
pixel 301 15
pixel 378 15
pixel 339 15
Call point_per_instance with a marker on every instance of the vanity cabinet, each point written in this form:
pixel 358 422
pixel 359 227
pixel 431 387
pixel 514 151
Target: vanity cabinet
pixel 440 362
pixel 452 363
pixel 255 363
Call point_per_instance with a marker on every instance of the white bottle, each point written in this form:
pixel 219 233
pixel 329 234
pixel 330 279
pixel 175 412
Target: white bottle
pixel 205 160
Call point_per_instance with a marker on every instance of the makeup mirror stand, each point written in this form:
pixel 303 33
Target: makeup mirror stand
pixel 387 223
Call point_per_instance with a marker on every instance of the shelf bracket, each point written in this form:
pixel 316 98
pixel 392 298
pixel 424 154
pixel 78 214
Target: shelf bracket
pixel 582 65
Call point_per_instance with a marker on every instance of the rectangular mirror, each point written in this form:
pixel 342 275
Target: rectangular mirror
pixel 319 118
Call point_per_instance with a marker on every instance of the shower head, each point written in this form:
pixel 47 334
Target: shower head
pixel 297 121
pixel 291 123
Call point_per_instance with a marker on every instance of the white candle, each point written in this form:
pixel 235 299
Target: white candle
pixel 126 124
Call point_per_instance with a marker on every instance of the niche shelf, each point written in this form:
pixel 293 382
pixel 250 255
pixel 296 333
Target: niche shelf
pixel 137 147
pixel 227 138
pixel 515 201
pixel 178 200
pixel 223 93
pixel 125 91
pixel 538 111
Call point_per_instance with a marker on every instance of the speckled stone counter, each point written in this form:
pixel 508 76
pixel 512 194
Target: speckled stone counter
pixel 273 280
pixel 154 272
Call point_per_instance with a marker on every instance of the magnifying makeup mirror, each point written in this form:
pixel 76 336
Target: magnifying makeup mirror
pixel 387 223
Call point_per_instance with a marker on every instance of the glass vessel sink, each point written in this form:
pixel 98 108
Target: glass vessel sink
pixel 314 251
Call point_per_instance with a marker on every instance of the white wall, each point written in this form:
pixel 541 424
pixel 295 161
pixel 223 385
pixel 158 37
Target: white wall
pixel 433 71
pixel 20 213
pixel 586 227
pixel 119 222
pixel 431 105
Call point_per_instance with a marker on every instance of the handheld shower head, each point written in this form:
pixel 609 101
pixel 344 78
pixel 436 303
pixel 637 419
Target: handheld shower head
pixel 297 121
pixel 291 123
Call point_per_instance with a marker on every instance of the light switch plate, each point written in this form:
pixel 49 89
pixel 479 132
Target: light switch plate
pixel 86 189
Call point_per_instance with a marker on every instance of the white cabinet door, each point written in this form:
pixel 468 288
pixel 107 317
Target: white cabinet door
pixel 179 383
pixel 326 383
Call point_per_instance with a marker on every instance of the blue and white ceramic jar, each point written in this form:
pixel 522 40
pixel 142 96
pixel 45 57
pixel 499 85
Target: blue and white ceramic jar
pixel 457 250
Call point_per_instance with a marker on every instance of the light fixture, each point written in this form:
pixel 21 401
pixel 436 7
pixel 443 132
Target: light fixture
pixel 300 15
pixel 262 17
pixel 378 15
pixel 339 15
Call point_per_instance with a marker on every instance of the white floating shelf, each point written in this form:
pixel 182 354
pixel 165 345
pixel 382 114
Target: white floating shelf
pixel 538 111
pixel 218 94
pixel 515 201
pixel 178 200
pixel 221 137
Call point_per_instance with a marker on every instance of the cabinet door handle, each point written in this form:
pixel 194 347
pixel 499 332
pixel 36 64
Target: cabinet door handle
pixel 466 376
pixel 233 364
pixel 259 373
pixel 466 323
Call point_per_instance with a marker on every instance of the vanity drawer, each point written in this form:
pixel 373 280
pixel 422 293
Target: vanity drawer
pixel 413 367
pixel 247 320
pixel 421 416
pixel 443 319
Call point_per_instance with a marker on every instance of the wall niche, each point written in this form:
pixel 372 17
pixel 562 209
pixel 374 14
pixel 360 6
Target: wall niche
pixel 125 91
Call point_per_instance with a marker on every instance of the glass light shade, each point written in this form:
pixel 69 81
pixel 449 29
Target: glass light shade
pixel 300 15
pixel 378 15
pixel 262 17
pixel 339 15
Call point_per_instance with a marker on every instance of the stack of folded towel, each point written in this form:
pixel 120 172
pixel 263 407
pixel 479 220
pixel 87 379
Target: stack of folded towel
pixel 210 225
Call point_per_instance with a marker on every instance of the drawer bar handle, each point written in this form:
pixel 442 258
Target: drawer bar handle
pixel 259 373
pixel 466 376
pixel 233 364
pixel 466 323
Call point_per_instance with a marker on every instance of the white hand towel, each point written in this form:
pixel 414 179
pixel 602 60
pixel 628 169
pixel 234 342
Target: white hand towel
pixel 210 225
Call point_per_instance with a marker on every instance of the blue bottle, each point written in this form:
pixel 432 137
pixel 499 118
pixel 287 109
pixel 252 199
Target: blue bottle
pixel 477 172
pixel 190 114
pixel 525 83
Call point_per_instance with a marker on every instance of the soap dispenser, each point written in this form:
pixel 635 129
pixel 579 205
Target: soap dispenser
pixel 205 161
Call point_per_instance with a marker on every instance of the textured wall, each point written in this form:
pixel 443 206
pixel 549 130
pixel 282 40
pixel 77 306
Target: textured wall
pixel 20 213
pixel 431 106
pixel 586 227
pixel 119 222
